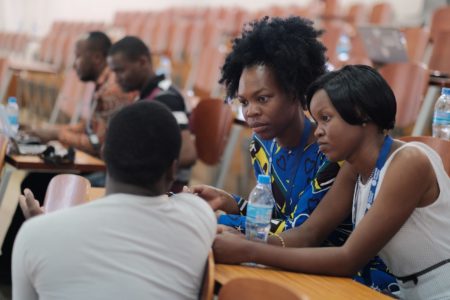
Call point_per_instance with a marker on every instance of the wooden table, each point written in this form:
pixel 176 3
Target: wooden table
pixel 314 286
pixel 16 170
pixel 83 163
pixel 96 193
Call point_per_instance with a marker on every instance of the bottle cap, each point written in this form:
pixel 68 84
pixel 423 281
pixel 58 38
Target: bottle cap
pixel 446 91
pixel 264 179
pixel 12 100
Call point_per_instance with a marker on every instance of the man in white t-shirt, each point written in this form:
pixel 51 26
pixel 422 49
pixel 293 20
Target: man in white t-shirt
pixel 135 243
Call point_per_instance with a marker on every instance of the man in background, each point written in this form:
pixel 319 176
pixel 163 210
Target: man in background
pixel 130 60
pixel 135 243
pixel 90 64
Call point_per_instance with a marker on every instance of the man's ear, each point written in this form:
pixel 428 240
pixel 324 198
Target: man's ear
pixel 144 60
pixel 172 171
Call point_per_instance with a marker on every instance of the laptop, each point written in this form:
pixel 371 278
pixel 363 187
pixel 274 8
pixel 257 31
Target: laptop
pixel 384 44
pixel 26 149
pixel 21 143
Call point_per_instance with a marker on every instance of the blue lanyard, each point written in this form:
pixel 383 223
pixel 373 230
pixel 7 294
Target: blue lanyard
pixel 381 160
pixel 302 145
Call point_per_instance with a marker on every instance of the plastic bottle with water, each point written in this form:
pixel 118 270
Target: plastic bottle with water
pixel 259 210
pixel 12 112
pixel 165 67
pixel 441 118
pixel 343 47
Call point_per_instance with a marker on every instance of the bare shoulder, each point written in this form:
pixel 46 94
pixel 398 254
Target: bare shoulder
pixel 412 158
pixel 412 170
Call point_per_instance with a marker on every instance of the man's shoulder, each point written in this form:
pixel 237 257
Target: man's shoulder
pixel 38 228
pixel 194 205
pixel 64 216
pixel 187 199
pixel 171 97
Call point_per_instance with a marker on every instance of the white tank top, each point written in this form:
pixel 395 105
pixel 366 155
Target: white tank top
pixel 423 240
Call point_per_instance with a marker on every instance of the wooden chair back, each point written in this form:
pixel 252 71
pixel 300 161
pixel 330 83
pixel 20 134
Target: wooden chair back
pixel 255 288
pixel 416 42
pixel 330 38
pixel 3 147
pixel 73 99
pixel 358 53
pixel 3 78
pixel 408 81
pixel 440 55
pixel 440 21
pixel 211 122
pixel 207 288
pixel 356 14
pixel 66 190
pixel 208 70
pixel 381 14
pixel 331 9
pixel 441 146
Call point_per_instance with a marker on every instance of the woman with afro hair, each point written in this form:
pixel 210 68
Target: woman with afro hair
pixel 268 71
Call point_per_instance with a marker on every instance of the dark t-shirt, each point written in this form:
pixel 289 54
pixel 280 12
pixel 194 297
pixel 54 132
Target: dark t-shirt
pixel 159 89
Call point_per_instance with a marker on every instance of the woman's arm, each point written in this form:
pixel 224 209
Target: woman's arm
pixel 407 183
pixel 330 213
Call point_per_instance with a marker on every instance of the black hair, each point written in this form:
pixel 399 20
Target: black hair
pixel 142 142
pixel 289 47
pixel 360 95
pixel 131 47
pixel 98 42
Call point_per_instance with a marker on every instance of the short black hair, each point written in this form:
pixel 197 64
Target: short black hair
pixel 142 142
pixel 98 42
pixel 289 47
pixel 360 95
pixel 131 47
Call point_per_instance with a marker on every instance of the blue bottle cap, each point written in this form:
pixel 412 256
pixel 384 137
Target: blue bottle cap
pixel 264 179
pixel 446 91
pixel 12 100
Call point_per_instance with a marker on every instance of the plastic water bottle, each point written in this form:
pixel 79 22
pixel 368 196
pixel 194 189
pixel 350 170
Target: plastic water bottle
pixel 259 210
pixel 343 47
pixel 441 118
pixel 12 112
pixel 165 67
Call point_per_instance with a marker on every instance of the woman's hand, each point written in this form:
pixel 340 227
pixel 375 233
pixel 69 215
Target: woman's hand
pixel 227 229
pixel 218 199
pixel 231 248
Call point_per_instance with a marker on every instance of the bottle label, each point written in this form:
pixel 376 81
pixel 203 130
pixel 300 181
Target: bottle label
pixel 259 213
pixel 13 120
pixel 441 118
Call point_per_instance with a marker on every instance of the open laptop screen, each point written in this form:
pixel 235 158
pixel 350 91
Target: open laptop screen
pixel 17 145
pixel 384 44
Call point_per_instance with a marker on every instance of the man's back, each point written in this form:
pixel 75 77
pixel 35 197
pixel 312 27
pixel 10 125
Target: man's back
pixel 120 247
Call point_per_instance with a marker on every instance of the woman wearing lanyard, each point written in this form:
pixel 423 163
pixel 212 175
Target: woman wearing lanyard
pixel 400 202
pixel 268 71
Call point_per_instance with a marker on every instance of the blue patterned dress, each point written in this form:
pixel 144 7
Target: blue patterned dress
pixel 300 177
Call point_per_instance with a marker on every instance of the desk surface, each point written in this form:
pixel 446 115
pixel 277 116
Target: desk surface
pixel 83 163
pixel 314 286
pixel 32 66
pixel 96 193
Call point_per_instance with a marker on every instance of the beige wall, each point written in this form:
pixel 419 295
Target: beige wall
pixel 35 16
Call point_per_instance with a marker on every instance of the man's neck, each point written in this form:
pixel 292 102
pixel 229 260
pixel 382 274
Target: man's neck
pixel 100 70
pixel 117 187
